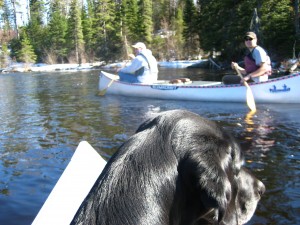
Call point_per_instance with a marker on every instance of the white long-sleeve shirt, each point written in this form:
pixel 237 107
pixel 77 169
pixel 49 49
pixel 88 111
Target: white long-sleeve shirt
pixel 145 60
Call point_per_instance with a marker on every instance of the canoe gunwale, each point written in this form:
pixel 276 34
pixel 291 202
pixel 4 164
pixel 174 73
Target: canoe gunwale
pixel 276 90
pixel 188 85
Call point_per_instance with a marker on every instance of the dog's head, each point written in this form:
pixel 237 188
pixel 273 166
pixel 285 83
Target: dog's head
pixel 248 192
pixel 212 181
pixel 178 168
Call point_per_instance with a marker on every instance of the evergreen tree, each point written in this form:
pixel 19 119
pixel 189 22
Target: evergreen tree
pixel 130 25
pixel 87 30
pixel 222 24
pixel 190 32
pixel 164 12
pixel 35 29
pixel 168 28
pixel 74 34
pixel 178 26
pixel 4 56
pixel 107 30
pixel 56 49
pixel 6 16
pixel 37 11
pixel 26 53
pixel 209 25
pixel 145 28
pixel 278 28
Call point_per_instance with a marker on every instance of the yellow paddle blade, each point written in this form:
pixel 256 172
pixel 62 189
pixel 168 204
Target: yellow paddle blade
pixel 249 95
pixel 103 92
pixel 250 99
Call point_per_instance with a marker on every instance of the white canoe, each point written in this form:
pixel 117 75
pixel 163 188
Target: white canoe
pixel 72 187
pixel 278 90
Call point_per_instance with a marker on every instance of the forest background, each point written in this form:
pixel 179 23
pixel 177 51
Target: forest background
pixel 79 31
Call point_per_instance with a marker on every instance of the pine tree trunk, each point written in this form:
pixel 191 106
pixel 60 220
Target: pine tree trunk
pixel 15 17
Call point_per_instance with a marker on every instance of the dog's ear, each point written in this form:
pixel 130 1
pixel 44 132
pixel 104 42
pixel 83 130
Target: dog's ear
pixel 146 125
pixel 212 167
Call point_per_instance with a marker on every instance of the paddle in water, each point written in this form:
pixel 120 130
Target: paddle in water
pixel 249 94
pixel 102 92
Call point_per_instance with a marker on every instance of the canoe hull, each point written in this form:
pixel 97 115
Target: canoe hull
pixel 278 90
pixel 72 187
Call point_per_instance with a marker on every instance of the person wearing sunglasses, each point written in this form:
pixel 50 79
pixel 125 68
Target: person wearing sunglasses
pixel 257 63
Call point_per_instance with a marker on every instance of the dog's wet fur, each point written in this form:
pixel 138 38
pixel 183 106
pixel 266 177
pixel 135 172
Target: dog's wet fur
pixel 178 168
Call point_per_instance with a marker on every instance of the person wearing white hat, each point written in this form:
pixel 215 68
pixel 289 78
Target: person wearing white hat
pixel 143 68
pixel 257 63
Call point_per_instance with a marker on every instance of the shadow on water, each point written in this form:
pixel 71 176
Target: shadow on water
pixel 45 115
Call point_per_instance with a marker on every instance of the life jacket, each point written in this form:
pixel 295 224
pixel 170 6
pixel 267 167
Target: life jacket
pixel 250 64
pixel 147 74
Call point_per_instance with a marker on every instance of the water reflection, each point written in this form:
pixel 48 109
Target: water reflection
pixel 249 121
pixel 258 132
pixel 268 153
pixel 44 116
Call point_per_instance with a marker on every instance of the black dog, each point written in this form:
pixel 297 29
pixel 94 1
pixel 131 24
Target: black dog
pixel 178 168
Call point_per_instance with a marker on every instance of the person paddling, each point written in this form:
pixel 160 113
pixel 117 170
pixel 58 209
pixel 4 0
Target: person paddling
pixel 257 63
pixel 143 67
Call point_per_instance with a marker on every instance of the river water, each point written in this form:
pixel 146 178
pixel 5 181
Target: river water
pixel 44 116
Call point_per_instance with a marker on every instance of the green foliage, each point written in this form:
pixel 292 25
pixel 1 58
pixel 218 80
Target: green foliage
pixel 35 29
pixel 4 56
pixel 222 25
pixel 6 17
pixel 145 21
pixel 55 48
pixel 99 29
pixel 15 46
pixel 74 33
pixel 177 27
pixel 26 53
pixel 130 23
pixel 190 31
pixel 37 10
pixel 277 27
pixel 87 31
pixel 106 30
